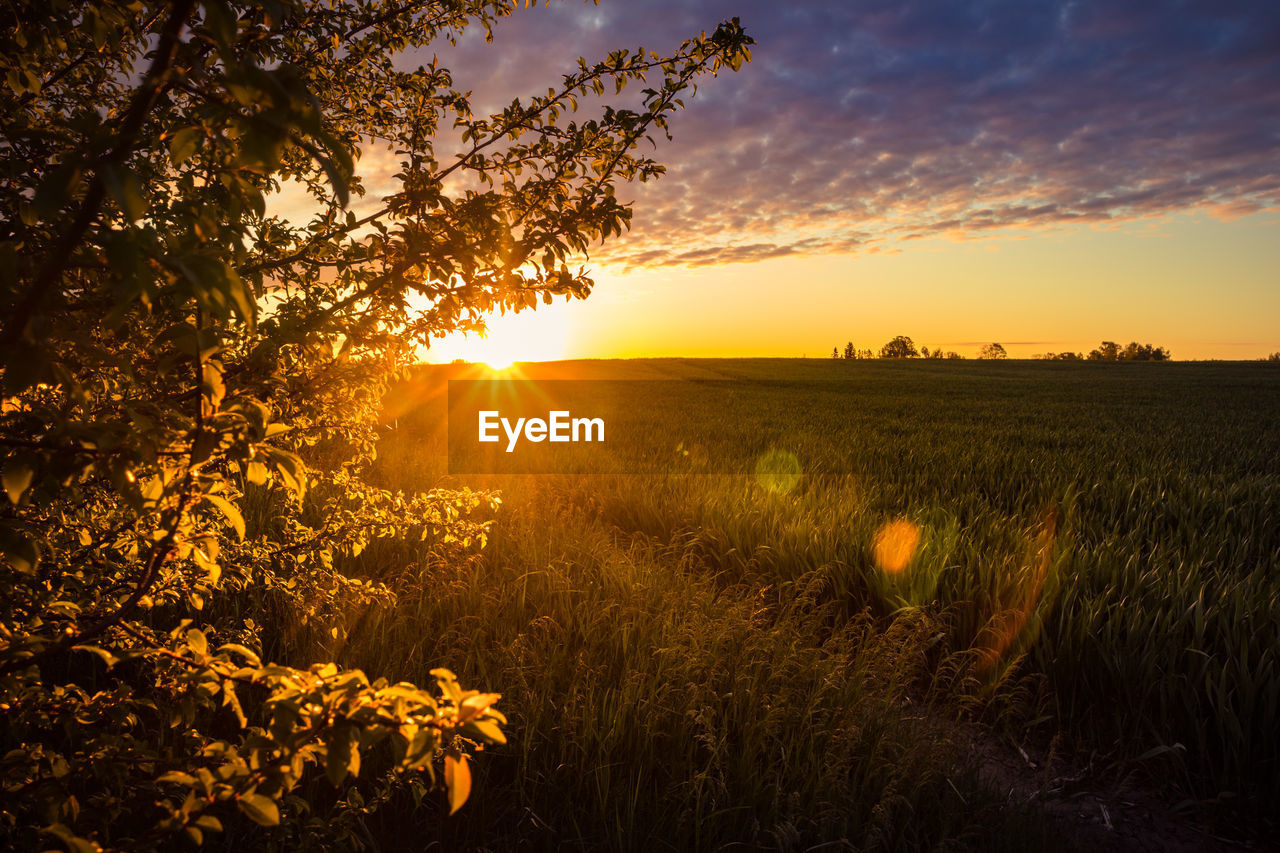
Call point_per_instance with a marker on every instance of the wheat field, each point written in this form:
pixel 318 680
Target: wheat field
pixel 1080 558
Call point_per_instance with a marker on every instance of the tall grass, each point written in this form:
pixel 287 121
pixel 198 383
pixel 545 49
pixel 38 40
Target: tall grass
pixel 659 702
pixel 696 662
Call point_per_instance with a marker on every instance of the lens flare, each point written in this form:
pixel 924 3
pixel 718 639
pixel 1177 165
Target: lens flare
pixel 778 471
pixel 894 545
pixel 1016 623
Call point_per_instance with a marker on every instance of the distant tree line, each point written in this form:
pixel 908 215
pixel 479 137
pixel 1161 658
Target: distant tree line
pixel 903 347
pixel 1112 351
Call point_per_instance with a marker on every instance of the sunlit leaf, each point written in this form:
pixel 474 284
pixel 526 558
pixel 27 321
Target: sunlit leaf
pixel 229 511
pixel 259 809
pixel 457 779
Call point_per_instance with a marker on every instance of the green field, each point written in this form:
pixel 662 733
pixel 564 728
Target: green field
pixel 1082 560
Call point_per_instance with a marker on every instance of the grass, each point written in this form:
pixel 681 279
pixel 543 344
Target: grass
pixel 697 662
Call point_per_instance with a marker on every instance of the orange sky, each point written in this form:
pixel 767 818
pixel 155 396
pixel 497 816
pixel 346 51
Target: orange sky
pixel 1203 287
pixel 1032 173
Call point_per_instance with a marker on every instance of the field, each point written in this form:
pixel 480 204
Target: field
pixel 1076 559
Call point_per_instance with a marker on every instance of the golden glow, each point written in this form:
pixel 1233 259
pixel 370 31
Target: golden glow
pixel 500 362
pixel 778 471
pixel 540 335
pixel 895 544
pixel 1135 281
pixel 1064 289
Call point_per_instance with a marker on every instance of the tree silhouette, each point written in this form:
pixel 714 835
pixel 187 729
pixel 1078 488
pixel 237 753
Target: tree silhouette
pixel 992 351
pixel 1106 351
pixel 1133 351
pixel 900 347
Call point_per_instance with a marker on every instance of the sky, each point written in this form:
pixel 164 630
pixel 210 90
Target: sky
pixel 1043 175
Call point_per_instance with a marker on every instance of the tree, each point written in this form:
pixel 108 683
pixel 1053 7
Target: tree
pixel 899 347
pixel 849 351
pixel 1133 351
pixel 1106 351
pixel 835 352
pixel 191 383
pixel 990 351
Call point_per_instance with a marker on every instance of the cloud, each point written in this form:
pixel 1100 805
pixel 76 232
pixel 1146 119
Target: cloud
pixel 862 125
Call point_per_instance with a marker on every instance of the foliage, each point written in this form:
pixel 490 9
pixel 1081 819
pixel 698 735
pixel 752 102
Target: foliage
pixel 900 347
pixel 992 351
pixel 191 384
pixel 1133 351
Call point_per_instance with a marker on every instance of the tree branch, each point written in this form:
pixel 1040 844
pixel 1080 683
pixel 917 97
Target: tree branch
pixel 19 323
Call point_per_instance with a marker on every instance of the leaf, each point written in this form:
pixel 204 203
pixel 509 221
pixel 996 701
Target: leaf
pixel 228 509
pixel 255 472
pixel 420 749
pixel 474 706
pixel 448 683
pixel 290 467
pixel 178 778
pixel 212 385
pixel 18 472
pixel 247 653
pixel 242 296
pixel 184 143
pixel 486 730
pixel 457 778
pixel 221 22
pixel 123 186
pixel 343 755
pixel 19 550
pixel 259 809
pixel 197 641
pixel 74 843
pixel 209 822
pixel 231 700
pixel 217 286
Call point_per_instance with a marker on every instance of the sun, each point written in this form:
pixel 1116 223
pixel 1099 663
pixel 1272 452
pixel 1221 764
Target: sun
pixel 539 335
pixel 499 362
